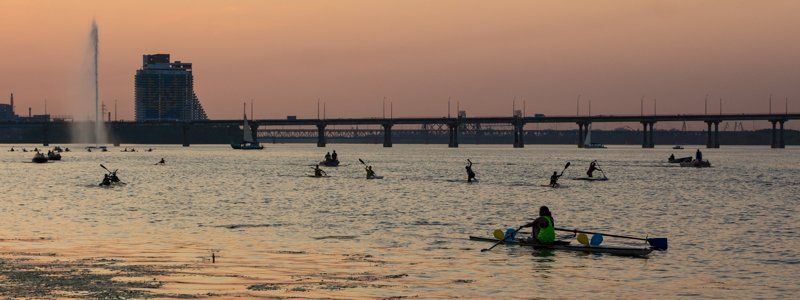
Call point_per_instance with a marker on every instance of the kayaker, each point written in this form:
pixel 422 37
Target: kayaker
pixel 161 162
pixel 334 156
pixel 470 173
pixel 543 227
pixel 370 172
pixel 106 180
pixel 319 172
pixel 554 178
pixel 327 157
pixel 698 155
pixel 592 167
pixel 113 177
pixel 672 157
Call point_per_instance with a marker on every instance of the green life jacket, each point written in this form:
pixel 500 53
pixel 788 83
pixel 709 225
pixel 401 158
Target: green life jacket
pixel 547 235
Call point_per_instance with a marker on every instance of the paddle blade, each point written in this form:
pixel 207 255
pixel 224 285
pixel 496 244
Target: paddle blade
pixel 498 234
pixel 567 165
pixel 597 239
pixel 658 243
pixel 362 161
pixel 583 239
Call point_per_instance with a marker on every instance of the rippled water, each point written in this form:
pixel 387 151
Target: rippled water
pixel 733 228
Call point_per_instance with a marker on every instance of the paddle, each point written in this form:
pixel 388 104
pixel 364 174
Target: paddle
pixel 500 242
pixel 114 173
pixel 656 243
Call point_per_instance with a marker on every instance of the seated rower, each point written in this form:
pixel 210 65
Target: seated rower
pixel 470 173
pixel 672 156
pixel 161 162
pixel 327 157
pixel 543 227
pixel 106 180
pixel 370 172
pixel 592 168
pixel 319 172
pixel 554 178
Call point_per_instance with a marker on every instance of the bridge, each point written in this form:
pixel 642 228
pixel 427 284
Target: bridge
pixel 454 125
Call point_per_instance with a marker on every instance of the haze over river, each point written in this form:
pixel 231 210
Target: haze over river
pixel 733 229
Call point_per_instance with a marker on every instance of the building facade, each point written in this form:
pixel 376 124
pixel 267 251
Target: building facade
pixel 165 91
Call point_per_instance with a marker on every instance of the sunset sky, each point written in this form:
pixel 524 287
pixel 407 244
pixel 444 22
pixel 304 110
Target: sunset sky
pixel 285 54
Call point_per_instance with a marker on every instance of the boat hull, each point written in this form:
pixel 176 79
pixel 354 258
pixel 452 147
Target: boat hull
pixel 621 251
pixel 332 163
pixel 680 160
pixel 247 146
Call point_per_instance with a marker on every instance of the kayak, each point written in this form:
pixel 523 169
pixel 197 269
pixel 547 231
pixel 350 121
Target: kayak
pixel 558 186
pixel 312 176
pixel 330 163
pixel 621 251
pixel 375 177
pixel 680 160
pixel 591 178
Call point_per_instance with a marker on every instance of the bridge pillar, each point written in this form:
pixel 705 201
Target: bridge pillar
pixel 185 134
pixel 580 135
pixel 644 135
pixel 781 142
pixel 453 129
pixel 651 137
pixel 321 135
pixel 387 134
pixel 774 143
pixel 45 135
pixel 716 134
pixel 709 143
pixel 519 134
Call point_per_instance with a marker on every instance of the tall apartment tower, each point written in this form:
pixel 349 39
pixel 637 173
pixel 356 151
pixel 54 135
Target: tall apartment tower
pixel 165 91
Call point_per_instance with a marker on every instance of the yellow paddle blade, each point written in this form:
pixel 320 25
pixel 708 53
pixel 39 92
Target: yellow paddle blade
pixel 583 239
pixel 498 234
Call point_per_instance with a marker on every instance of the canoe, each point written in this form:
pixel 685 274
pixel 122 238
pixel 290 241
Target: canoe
pixel 621 251
pixel 591 178
pixel 680 160
pixel 331 163
pixel 323 176
pixel 375 177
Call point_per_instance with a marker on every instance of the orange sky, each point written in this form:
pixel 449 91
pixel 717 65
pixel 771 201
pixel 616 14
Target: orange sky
pixel 285 54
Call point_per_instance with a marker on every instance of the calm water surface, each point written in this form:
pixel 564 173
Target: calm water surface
pixel 733 229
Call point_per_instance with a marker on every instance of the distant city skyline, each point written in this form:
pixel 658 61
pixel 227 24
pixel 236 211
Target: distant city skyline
pixel 351 54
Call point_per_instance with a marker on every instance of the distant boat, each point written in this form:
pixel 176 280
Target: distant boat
pixel 677 147
pixel 587 142
pixel 248 143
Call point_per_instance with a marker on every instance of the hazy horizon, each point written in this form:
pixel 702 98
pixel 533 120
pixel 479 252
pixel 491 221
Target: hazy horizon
pixel 351 54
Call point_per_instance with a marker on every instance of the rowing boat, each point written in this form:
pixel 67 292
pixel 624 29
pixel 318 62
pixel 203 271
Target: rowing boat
pixel 591 178
pixel 621 251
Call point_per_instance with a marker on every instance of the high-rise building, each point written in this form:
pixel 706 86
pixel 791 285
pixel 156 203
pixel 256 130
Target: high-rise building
pixel 165 91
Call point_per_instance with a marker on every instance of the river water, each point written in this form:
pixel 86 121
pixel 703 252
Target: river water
pixel 733 229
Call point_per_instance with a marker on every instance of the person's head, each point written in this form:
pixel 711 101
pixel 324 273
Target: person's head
pixel 544 211
pixel 555 173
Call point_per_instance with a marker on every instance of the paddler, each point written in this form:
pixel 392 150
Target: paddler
pixel 370 172
pixel 470 173
pixel 672 157
pixel 543 227
pixel 319 172
pixel 698 155
pixel 327 157
pixel 334 156
pixel 554 178
pixel 592 168
pixel 106 180
pixel 161 162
